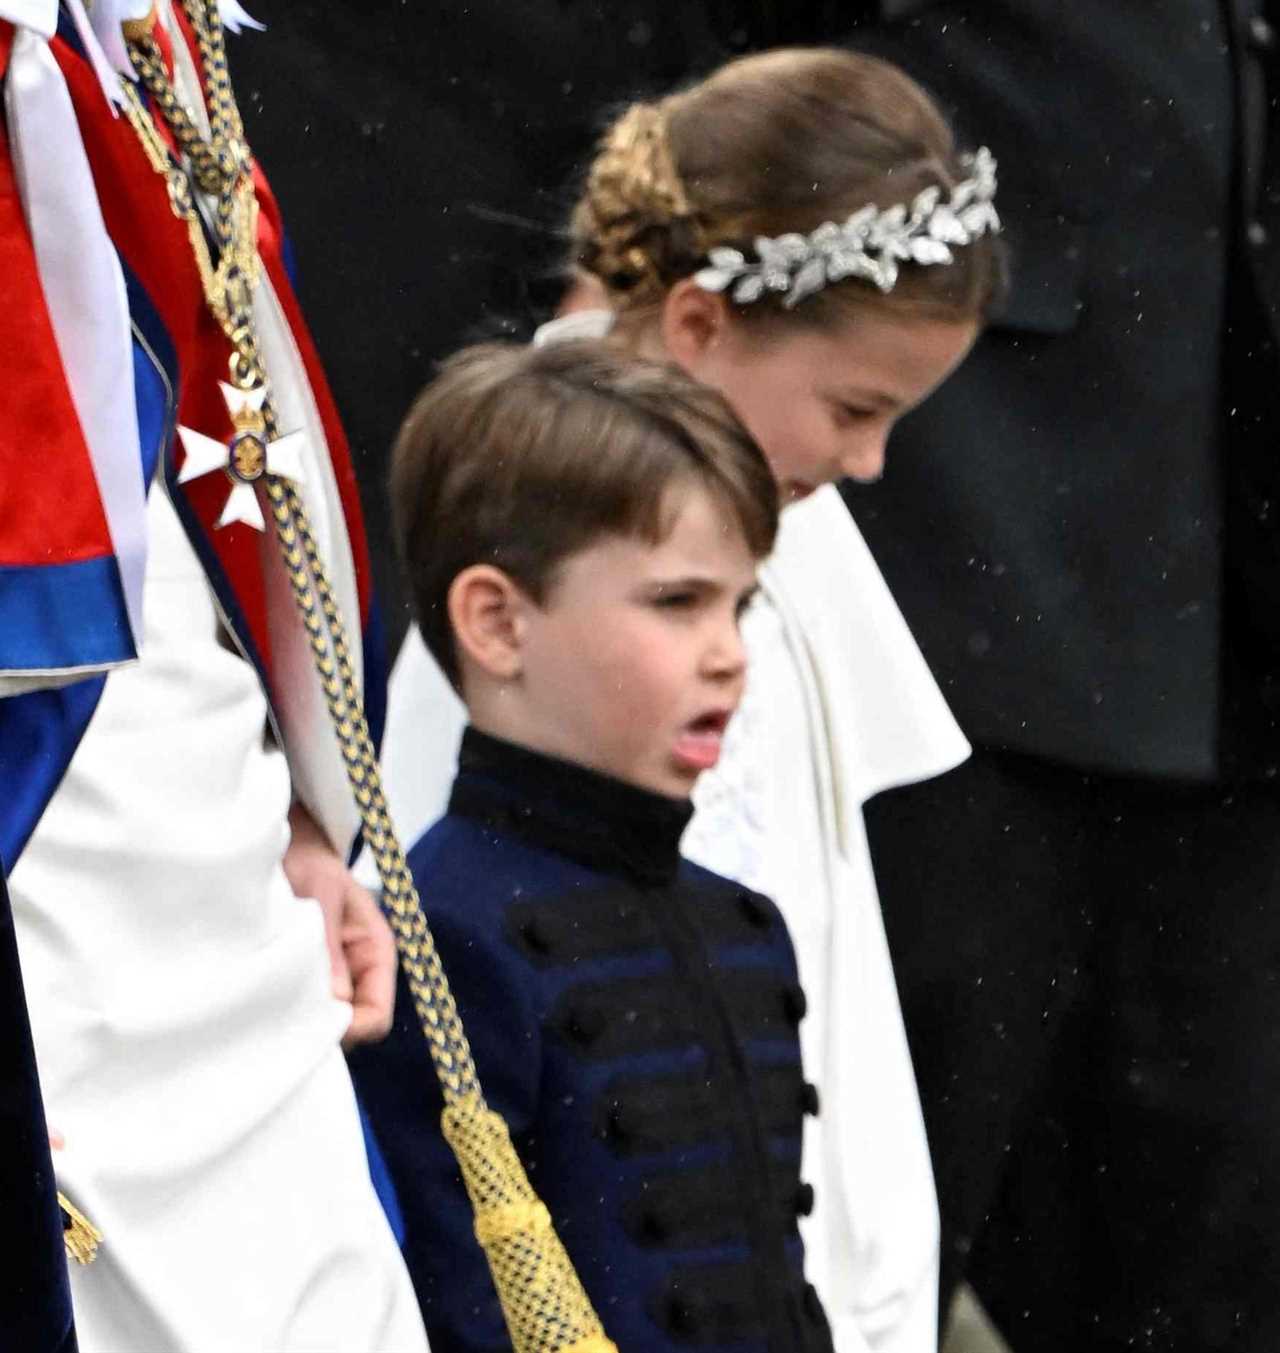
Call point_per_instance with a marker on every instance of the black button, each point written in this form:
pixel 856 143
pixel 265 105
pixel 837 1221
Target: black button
pixel 1257 234
pixel 682 1318
pixel 809 1099
pixel 651 1229
pixel 1262 35
pixel 795 1003
pixel 756 910
pixel 535 939
pixel 616 1129
pixel 585 1025
pixel 804 1200
pixel 813 1305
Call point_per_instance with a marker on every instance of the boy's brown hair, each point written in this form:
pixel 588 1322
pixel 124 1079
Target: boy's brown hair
pixel 519 457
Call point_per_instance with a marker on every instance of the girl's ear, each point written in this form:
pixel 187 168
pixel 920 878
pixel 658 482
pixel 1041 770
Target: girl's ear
pixel 693 322
pixel 487 612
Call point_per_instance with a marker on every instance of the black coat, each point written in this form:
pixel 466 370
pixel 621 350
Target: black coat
pixel 1053 521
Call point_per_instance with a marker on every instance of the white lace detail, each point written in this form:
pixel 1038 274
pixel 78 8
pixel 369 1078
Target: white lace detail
pixel 727 833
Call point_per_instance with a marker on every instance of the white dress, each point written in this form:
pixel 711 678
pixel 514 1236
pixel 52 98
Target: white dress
pixel 839 706
pixel 187 1041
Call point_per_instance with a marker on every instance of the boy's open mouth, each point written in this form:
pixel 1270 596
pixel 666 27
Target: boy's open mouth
pixel 698 744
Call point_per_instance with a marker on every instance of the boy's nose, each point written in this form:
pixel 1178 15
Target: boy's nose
pixel 727 655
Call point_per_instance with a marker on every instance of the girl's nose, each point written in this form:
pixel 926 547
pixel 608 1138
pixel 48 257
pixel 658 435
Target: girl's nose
pixel 864 460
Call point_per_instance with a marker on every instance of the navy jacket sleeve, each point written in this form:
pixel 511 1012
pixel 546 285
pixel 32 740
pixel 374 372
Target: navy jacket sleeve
pixel 398 1088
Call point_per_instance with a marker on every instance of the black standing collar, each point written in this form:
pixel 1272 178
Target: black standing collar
pixel 581 813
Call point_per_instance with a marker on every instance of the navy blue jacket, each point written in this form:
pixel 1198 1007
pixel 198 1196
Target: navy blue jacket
pixel 633 1017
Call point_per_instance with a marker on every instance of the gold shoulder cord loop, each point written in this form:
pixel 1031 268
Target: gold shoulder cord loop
pixel 545 1305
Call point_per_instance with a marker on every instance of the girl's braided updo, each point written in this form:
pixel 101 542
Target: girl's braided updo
pixel 767 145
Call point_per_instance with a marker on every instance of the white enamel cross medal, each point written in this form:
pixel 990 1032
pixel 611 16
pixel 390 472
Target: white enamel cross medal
pixel 245 458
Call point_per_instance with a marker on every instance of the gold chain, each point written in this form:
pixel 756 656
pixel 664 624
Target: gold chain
pixel 543 1301
pixel 228 287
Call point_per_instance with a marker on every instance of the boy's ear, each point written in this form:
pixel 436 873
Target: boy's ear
pixel 486 610
pixel 693 322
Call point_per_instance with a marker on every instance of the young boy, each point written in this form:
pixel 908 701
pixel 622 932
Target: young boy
pixel 581 533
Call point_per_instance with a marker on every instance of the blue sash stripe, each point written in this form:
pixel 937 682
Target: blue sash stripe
pixel 72 615
pixel 155 376
pixel 58 616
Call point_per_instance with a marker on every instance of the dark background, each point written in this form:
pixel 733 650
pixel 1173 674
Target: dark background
pixel 423 155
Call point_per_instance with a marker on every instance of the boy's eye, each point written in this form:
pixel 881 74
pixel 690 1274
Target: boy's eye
pixel 675 601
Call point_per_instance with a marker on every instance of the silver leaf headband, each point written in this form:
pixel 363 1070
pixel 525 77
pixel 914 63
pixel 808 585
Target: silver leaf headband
pixel 869 245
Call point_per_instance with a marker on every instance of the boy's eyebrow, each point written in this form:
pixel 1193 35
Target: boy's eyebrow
pixel 697 580
pixel 692 582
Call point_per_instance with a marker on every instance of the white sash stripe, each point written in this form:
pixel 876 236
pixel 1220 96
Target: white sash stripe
pixel 84 291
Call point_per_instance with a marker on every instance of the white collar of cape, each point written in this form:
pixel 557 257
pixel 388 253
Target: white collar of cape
pixel 887 723
pixel 99 29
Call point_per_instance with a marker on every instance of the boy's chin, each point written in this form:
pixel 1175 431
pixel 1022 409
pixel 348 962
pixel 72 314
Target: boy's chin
pixel 677 781
pixel 671 781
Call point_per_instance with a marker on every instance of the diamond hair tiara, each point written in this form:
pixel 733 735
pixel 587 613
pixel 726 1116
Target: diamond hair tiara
pixel 870 245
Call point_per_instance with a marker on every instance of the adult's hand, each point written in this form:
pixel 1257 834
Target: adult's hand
pixel 362 953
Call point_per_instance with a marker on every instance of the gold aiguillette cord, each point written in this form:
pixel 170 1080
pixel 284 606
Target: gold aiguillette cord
pixel 545 1306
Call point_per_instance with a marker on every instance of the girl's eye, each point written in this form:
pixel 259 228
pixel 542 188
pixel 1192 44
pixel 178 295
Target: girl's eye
pixel 849 413
pixel 675 601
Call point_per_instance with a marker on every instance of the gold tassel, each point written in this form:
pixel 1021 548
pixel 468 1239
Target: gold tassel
pixel 80 1236
pixel 546 1308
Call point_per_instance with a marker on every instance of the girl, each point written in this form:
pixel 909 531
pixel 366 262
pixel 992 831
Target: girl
pixel 799 231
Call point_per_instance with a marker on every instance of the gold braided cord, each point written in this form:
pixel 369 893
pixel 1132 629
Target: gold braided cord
pixel 543 1301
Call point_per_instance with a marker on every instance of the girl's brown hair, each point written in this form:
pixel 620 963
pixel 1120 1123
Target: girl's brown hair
pixel 768 145
pixel 520 457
